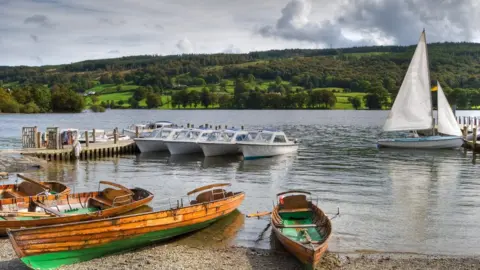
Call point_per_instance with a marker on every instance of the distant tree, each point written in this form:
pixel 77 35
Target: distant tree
pixel 119 88
pixel 106 79
pixel 355 101
pixel 153 100
pixel 301 99
pixel 194 98
pixel 94 99
pixel 117 78
pixel 140 93
pixel 225 101
pixel 66 100
pixel 206 97
pixel 134 104
pixel 97 108
pixel 373 102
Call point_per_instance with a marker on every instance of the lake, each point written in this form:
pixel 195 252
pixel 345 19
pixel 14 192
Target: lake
pixel 390 200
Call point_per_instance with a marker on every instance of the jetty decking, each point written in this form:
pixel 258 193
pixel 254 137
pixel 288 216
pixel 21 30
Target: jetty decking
pixel 92 151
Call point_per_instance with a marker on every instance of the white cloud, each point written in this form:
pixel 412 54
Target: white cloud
pixel 185 46
pixel 72 30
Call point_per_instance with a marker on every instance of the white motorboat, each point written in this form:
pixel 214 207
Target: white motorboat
pixel 267 143
pixel 224 142
pixel 186 141
pixel 145 129
pixel 155 141
pixel 412 110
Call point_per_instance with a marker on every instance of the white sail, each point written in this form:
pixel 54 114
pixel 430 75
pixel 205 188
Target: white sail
pixel 412 109
pixel 447 124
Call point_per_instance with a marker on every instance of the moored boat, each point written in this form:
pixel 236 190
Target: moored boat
pixel 301 226
pixel 44 210
pixel 267 143
pixel 412 110
pixel 31 187
pixel 186 141
pixel 224 142
pixel 145 129
pixel 54 246
pixel 155 141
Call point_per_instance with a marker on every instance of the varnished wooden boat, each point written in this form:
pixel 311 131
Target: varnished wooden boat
pixel 44 210
pixel 31 187
pixel 53 246
pixel 301 227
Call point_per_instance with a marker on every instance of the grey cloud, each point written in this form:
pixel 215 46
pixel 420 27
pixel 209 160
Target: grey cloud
pixel 37 59
pixel 185 46
pixel 34 37
pixel 114 52
pixel 111 21
pixel 294 24
pixel 400 21
pixel 40 20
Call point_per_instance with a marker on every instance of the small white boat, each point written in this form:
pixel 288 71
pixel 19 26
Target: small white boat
pixel 267 143
pixel 145 129
pixel 224 142
pixel 155 142
pixel 412 110
pixel 186 141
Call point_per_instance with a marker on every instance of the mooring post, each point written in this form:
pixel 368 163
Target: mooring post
pixel 94 134
pixel 87 141
pixel 38 136
pixel 137 133
pixel 115 136
pixel 474 146
pixel 35 137
pixel 464 131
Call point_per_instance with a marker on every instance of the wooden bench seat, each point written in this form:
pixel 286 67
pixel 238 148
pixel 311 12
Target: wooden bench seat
pixel 48 209
pixel 295 210
pixel 16 194
pixel 102 201
pixel 297 226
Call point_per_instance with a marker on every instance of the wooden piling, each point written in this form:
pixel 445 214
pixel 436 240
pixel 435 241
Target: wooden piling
pixel 94 134
pixel 474 144
pixel 137 133
pixel 115 136
pixel 87 141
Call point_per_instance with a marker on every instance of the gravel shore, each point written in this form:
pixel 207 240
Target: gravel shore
pixel 175 256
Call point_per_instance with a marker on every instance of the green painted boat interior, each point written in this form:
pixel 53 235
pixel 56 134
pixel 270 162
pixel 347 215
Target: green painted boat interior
pixel 299 218
pixel 78 211
pixel 54 260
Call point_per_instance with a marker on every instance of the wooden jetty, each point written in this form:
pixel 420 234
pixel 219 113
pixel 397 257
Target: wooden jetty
pixel 55 150
pixel 92 151
pixel 470 123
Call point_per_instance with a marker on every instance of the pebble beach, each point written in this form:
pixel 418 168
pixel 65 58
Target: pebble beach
pixel 179 256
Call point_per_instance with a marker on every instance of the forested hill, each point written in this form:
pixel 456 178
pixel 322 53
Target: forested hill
pixel 359 77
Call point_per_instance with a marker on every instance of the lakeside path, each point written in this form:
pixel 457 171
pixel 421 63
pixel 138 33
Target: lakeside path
pixel 172 255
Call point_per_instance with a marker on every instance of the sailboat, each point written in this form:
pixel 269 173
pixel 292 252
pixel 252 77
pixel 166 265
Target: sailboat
pixel 412 110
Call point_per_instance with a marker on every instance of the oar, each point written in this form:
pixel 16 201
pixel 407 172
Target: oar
pixel 259 214
pixel 33 181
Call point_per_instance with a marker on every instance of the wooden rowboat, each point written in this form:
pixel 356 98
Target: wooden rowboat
pixel 301 227
pixel 31 187
pixel 44 210
pixel 53 246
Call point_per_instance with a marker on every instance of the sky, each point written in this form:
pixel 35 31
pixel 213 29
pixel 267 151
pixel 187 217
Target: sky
pixel 43 32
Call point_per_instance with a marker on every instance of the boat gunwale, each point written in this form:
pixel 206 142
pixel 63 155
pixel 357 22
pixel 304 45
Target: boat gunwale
pixel 236 194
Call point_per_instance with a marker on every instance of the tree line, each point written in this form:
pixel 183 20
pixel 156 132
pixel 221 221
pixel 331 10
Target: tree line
pixel 376 71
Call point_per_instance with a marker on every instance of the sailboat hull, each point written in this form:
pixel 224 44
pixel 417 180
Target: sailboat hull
pixel 429 142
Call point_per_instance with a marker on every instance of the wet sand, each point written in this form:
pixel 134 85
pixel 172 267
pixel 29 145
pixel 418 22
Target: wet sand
pixel 179 256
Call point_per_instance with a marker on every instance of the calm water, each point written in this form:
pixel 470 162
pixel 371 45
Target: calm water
pixel 396 201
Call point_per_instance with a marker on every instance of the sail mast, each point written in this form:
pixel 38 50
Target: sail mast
pixel 429 85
